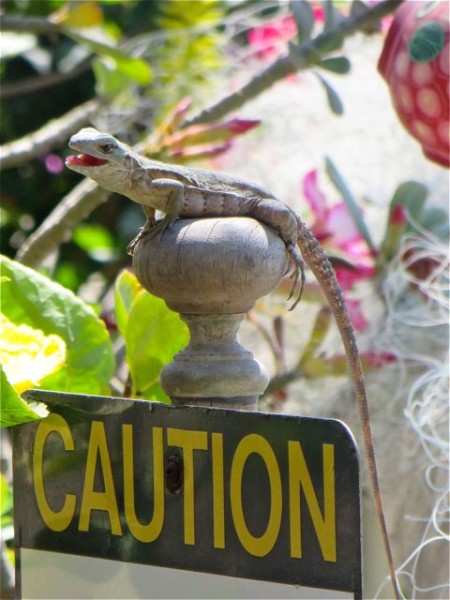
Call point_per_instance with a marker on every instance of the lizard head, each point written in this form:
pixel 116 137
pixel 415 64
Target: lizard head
pixel 102 156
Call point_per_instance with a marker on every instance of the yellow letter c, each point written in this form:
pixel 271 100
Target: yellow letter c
pixel 55 520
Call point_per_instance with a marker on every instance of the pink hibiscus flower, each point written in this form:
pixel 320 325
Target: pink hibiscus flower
pixel 269 39
pixel 334 226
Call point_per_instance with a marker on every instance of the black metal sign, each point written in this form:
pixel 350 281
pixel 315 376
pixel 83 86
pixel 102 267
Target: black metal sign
pixel 254 495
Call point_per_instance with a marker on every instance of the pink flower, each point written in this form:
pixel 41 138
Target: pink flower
pixel 269 39
pixel 200 151
pixel 210 132
pixel 238 126
pixel 53 163
pixel 375 360
pixel 334 226
pixel 357 318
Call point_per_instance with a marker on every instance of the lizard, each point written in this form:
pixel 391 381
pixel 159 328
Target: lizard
pixel 186 192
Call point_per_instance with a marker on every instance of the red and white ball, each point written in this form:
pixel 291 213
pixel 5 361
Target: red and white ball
pixel 415 64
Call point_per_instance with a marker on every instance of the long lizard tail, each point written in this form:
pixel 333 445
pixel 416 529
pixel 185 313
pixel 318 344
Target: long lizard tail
pixel 318 262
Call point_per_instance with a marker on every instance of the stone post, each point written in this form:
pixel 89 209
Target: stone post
pixel 212 271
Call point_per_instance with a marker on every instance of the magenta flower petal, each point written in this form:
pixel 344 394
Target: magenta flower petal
pixel 315 197
pixel 54 164
pixel 341 225
pixel 357 318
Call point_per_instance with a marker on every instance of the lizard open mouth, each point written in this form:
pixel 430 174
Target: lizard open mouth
pixel 85 160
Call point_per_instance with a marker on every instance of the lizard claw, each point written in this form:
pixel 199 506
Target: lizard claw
pixel 155 229
pixel 134 242
pixel 298 273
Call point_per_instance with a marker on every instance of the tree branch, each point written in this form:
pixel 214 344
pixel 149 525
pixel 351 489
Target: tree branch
pixel 55 132
pixel 39 82
pixel 287 65
pixel 56 228
pixel 28 25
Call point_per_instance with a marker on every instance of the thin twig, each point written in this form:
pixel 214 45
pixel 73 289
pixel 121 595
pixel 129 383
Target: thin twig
pixel 279 382
pixel 41 141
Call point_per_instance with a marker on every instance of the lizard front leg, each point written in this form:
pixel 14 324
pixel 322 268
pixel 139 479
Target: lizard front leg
pixel 166 195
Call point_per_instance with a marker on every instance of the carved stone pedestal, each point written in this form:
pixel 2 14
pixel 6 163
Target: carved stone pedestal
pixel 212 271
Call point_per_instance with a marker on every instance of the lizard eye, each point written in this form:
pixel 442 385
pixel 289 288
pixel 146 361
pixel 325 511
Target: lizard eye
pixel 107 147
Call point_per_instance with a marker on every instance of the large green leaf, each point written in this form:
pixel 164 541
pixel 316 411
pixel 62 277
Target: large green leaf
pixel 14 411
pixel 153 335
pixel 126 289
pixel 6 497
pixel 136 69
pixel 35 300
pixel 97 241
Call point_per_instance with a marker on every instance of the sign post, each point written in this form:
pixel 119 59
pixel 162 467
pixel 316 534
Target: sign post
pixel 253 496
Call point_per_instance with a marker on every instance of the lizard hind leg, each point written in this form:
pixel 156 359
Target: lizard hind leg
pixel 297 274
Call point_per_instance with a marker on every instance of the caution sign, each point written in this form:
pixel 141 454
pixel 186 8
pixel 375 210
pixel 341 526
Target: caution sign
pixel 248 495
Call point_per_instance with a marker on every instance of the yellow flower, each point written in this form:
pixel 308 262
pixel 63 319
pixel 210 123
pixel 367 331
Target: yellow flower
pixel 27 355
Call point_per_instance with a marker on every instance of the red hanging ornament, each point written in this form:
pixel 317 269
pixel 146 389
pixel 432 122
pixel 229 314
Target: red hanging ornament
pixel 415 64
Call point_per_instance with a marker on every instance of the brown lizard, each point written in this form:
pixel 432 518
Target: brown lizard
pixel 187 192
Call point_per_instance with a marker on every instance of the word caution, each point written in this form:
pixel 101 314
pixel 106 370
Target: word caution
pixel 248 495
pixel 300 489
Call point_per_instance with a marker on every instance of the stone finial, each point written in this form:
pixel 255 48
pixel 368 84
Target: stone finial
pixel 212 271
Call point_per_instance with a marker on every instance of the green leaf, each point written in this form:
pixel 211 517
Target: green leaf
pixel 136 69
pixel 35 300
pixel 153 335
pixel 126 289
pixel 182 15
pixel 396 226
pixel 334 101
pixel 350 201
pixel 110 82
pixel 96 241
pixel 329 41
pixel 435 219
pixel 412 195
pixel 304 19
pixel 336 64
pixel 79 15
pixel 320 330
pixel 13 410
pixel 332 16
pixel 6 497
